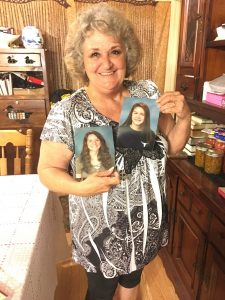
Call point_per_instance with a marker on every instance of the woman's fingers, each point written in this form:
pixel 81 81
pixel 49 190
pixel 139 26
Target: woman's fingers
pixel 105 173
pixel 174 103
pixel 99 182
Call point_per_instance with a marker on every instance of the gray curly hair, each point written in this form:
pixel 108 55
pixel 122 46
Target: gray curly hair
pixel 105 19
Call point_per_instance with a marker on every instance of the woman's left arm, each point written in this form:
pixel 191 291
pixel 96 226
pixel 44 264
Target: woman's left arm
pixel 176 133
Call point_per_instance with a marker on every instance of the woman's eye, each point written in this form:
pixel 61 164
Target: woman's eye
pixel 94 54
pixel 116 52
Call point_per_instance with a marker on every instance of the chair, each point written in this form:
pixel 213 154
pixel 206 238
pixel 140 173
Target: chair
pixel 15 152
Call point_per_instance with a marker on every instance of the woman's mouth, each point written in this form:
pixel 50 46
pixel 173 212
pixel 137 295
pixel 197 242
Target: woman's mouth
pixel 107 73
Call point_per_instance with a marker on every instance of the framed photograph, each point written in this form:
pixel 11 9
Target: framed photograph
pixel 94 149
pixel 138 123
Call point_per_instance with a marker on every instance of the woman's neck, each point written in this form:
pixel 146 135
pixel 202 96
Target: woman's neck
pixel 94 158
pixel 136 127
pixel 109 104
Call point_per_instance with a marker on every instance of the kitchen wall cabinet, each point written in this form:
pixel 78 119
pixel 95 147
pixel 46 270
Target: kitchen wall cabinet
pixel 200 58
pixel 194 258
pixel 24 107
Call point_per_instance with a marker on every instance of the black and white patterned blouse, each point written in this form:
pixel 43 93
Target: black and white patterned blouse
pixel 122 230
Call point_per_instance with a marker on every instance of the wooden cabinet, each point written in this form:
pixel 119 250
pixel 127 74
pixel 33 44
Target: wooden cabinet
pixel 200 58
pixel 195 256
pixel 191 39
pixel 26 105
pixel 171 195
pixel 188 250
pixel 214 276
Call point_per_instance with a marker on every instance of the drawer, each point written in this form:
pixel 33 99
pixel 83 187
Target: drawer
pixel 184 195
pixel 20 60
pixel 200 213
pixel 36 108
pixel 217 234
pixel 187 86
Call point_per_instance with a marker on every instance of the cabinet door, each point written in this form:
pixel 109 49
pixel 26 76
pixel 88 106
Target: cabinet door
pixel 191 40
pixel 191 36
pixel 188 250
pixel 171 190
pixel 213 286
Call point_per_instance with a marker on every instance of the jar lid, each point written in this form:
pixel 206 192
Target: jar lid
pixel 203 146
pixel 210 136
pixel 214 153
pixel 220 134
pixel 220 141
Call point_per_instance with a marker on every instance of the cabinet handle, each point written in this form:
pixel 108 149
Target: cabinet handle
pixel 183 87
pixel 29 60
pixel 11 60
pixel 198 211
pixel 181 194
pixel 206 280
pixel 221 235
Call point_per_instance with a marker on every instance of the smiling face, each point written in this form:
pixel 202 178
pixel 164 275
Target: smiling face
pixel 138 117
pixel 104 62
pixel 93 143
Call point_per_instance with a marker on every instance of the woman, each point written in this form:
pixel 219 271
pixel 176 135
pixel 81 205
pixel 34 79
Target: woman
pixel 118 219
pixel 136 131
pixel 94 156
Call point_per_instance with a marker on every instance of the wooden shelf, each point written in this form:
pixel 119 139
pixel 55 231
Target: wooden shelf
pixel 213 112
pixel 32 101
pixel 215 44
pixel 21 69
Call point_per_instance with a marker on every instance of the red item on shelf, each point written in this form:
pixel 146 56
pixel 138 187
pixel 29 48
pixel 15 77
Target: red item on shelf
pixel 35 80
pixel 220 145
pixel 221 191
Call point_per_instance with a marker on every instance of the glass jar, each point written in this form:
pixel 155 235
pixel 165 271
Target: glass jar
pixel 220 145
pixel 200 154
pixel 213 161
pixel 211 140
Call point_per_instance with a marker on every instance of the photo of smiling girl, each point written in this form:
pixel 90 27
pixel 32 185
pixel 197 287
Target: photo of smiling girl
pixel 136 131
pixel 96 153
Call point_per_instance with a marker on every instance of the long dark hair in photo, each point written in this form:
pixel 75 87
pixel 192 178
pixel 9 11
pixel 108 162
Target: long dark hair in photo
pixel 104 155
pixel 147 128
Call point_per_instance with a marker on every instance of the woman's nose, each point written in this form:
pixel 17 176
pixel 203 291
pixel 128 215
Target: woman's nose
pixel 106 61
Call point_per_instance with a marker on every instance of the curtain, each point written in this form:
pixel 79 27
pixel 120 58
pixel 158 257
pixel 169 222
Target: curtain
pixel 151 23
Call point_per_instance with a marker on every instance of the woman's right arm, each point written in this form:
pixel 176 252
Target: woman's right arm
pixel 53 173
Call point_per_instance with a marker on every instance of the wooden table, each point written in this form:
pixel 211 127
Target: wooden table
pixel 32 238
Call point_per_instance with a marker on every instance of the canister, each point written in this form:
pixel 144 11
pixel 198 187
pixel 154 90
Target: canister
pixel 201 149
pixel 213 161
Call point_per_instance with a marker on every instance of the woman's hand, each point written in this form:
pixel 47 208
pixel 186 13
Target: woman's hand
pixel 176 133
pixel 98 182
pixel 174 103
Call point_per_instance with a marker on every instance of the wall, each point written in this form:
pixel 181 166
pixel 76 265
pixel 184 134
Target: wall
pixel 152 25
